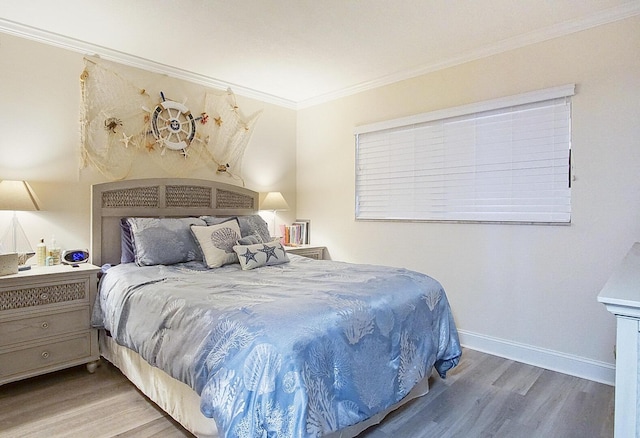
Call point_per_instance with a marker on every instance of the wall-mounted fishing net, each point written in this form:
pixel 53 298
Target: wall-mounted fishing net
pixel 123 122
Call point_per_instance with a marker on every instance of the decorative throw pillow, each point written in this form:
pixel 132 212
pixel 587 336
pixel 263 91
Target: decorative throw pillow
pixel 249 240
pixel 261 254
pixel 217 241
pixel 249 225
pixel 164 241
pixel 254 224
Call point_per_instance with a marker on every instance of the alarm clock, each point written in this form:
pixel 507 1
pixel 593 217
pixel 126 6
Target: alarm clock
pixel 72 256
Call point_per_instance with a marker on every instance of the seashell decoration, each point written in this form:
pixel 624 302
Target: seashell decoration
pixel 224 239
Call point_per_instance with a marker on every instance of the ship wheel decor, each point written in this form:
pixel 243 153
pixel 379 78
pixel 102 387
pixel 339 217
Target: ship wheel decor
pixel 172 125
pixel 123 124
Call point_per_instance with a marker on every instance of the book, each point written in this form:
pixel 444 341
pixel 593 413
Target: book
pixel 305 225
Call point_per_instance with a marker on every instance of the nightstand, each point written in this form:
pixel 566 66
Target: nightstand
pixel 45 320
pixel 310 251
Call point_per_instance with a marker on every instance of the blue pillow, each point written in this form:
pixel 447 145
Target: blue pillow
pixel 164 241
pixel 127 252
pixel 249 240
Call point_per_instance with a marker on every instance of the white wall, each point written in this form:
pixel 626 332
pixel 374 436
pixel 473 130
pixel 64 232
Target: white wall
pixel 40 142
pixel 519 290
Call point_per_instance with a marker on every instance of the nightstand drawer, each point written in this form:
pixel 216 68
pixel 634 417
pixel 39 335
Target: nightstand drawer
pixel 41 295
pixel 45 355
pixel 311 252
pixel 43 325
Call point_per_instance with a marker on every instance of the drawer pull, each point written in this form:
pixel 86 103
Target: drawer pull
pixel 45 354
pixel 44 296
pixel 44 325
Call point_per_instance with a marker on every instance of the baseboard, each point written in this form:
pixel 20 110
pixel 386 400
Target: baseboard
pixel 596 371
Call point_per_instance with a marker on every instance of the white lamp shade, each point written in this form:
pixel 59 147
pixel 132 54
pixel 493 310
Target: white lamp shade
pixel 17 196
pixel 274 201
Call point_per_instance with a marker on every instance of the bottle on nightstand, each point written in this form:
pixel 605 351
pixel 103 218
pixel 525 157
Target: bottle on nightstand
pixel 41 253
pixel 54 252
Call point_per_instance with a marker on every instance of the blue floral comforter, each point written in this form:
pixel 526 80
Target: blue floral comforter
pixel 293 350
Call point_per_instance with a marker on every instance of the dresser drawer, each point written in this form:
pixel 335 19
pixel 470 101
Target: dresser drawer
pixel 45 355
pixel 35 327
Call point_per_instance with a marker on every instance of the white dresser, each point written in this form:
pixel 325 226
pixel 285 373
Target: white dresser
pixel 45 320
pixel 621 296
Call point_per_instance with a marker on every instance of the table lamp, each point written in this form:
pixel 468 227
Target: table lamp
pixel 274 201
pixel 17 196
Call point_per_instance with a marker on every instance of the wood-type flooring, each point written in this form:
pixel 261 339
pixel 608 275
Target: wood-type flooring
pixel 485 396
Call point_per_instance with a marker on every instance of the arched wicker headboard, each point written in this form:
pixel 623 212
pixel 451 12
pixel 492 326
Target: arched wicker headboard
pixel 158 197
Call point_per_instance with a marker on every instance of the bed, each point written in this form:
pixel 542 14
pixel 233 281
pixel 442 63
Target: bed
pixel 245 340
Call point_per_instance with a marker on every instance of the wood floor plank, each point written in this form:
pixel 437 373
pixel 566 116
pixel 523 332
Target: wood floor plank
pixel 546 398
pixel 518 378
pixel 159 427
pixel 484 396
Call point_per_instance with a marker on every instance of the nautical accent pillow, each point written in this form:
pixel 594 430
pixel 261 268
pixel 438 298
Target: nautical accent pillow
pixel 217 241
pixel 261 254
pixel 252 224
pixel 163 241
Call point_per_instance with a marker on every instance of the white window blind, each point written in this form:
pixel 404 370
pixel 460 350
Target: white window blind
pixel 505 160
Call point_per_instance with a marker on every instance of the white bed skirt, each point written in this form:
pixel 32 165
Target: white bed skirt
pixel 183 403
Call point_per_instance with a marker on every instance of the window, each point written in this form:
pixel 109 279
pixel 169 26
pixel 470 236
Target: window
pixel 504 160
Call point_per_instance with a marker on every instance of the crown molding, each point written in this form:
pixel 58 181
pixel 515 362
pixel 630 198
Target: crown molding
pixel 88 49
pixel 606 16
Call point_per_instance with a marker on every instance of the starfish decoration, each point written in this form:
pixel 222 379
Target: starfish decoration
pixel 249 256
pixel 218 120
pixel 204 118
pixel 125 139
pixel 269 251
pixel 150 147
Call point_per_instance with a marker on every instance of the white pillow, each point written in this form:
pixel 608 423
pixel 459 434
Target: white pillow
pixel 261 254
pixel 217 241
